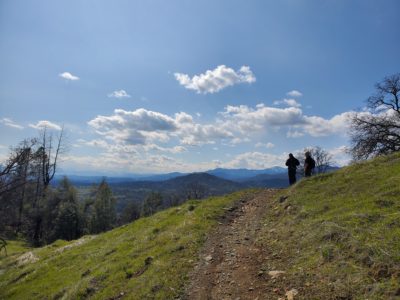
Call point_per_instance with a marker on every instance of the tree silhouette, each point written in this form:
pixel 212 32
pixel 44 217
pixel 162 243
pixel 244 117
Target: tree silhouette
pixel 377 131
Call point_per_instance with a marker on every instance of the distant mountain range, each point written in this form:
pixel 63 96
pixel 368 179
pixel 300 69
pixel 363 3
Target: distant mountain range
pixel 177 187
pixel 243 174
pixel 230 174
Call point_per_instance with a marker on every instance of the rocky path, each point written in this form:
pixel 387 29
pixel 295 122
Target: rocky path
pixel 231 260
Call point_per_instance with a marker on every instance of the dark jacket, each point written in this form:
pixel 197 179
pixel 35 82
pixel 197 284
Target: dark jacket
pixel 309 165
pixel 292 163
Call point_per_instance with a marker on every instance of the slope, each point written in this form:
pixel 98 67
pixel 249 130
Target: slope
pixel 333 236
pixel 149 258
pixel 337 236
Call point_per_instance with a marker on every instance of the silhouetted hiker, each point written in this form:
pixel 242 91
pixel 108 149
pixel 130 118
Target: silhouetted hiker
pixel 292 164
pixel 309 164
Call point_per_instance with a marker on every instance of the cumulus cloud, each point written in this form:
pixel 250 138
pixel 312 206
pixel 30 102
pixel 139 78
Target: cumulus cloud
pixel 246 119
pixel 133 127
pixel 143 127
pixel 119 94
pixel 10 123
pixel 213 81
pixel 45 125
pixel 263 118
pixel 68 76
pixel 149 139
pixel 288 102
pixel 294 93
pixel 317 126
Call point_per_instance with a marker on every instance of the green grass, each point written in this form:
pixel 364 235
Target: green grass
pixel 338 235
pixel 147 259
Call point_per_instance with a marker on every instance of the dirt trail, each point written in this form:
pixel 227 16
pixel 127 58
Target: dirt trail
pixel 231 260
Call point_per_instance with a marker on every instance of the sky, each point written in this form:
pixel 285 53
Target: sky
pixel 161 86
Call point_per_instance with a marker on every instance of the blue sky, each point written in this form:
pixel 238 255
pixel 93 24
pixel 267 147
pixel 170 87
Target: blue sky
pixel 160 86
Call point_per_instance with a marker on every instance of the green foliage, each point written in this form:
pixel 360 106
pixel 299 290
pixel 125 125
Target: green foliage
pixel 66 218
pixel 99 209
pixel 130 213
pixel 152 204
pixel 147 259
pixel 338 234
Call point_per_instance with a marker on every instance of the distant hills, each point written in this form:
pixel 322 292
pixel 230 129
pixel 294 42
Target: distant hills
pixel 177 187
pixel 239 175
pixel 244 174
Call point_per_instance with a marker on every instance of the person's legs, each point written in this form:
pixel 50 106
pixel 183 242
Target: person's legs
pixel 292 177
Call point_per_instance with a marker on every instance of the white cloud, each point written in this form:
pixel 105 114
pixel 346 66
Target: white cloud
pixel 266 145
pixel 317 126
pixel 198 134
pixel 247 120
pixel 294 93
pixel 294 134
pixel 340 155
pixel 68 76
pixel 45 125
pixel 10 123
pixel 215 80
pixel 144 127
pixel 133 127
pixel 119 94
pixel 121 162
pixel 256 160
pixel 288 102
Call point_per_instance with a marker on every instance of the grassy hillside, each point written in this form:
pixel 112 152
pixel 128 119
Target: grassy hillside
pixel 337 236
pixel 148 259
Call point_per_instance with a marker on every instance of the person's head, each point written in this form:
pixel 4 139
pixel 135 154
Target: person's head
pixel 307 154
pixel 290 155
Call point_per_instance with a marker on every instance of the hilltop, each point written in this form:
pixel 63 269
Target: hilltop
pixel 332 236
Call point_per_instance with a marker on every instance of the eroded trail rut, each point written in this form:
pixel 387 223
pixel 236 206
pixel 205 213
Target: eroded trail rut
pixel 231 259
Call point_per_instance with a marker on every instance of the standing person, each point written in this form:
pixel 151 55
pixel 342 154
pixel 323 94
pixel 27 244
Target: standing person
pixel 309 164
pixel 292 164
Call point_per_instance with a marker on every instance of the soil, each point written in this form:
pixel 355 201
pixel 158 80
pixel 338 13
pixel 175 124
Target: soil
pixel 231 260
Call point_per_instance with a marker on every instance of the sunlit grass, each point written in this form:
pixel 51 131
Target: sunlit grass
pixel 339 233
pixel 149 258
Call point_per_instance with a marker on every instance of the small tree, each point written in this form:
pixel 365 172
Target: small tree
pixel 66 219
pixel 377 131
pixel 152 204
pixel 104 216
pixel 130 213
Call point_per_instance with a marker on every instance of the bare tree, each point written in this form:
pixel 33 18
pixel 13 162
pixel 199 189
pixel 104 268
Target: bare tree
pixel 45 165
pixel 323 159
pixel 377 131
pixel 13 174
